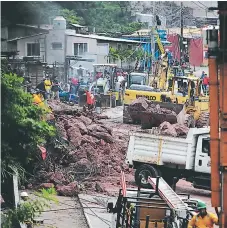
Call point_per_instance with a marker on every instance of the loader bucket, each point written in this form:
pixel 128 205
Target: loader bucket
pixel 177 108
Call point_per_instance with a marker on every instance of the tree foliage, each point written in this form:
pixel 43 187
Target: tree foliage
pixel 126 55
pixel 106 17
pixel 70 16
pixel 22 126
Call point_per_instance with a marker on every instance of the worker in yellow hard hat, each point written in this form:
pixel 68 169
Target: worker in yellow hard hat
pixel 203 219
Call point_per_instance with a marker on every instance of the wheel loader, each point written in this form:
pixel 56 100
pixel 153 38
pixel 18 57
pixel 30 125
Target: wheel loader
pixel 185 93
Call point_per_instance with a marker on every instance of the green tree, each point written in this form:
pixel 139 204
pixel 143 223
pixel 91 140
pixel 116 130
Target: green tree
pixel 70 16
pixel 23 127
pixel 113 54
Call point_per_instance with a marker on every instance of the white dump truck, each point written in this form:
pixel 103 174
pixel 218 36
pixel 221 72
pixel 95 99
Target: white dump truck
pixel 169 157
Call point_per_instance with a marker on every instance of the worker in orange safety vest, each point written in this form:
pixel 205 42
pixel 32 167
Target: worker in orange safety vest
pixel 90 99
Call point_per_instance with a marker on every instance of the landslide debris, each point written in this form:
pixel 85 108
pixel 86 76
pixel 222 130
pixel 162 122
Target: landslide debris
pixel 83 154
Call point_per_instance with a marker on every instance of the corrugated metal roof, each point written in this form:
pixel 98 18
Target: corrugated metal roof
pixel 78 26
pixel 42 26
pixel 102 37
pixel 24 37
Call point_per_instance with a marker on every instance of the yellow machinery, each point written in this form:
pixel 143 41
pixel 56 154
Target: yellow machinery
pixel 184 90
pixel 165 90
pixel 196 104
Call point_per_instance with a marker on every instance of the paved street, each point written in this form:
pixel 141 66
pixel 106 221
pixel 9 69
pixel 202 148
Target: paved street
pixel 67 213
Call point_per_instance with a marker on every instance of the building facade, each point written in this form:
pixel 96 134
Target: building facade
pixel 53 45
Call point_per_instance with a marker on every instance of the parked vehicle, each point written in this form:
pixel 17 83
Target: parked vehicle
pixel 169 157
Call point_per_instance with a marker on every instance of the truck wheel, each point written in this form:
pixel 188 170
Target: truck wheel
pixel 145 171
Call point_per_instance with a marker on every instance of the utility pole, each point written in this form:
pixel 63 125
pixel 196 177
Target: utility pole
pixel 152 37
pixel 181 30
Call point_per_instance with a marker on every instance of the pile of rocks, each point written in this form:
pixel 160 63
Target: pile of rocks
pixel 89 153
pixel 174 130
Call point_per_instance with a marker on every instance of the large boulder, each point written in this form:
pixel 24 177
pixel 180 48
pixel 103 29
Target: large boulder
pixel 46 185
pixel 71 189
pixel 58 178
pixel 74 135
pixel 103 135
pixel 75 123
pixel 87 121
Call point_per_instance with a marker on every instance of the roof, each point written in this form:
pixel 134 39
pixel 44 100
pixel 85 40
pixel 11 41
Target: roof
pixel 92 36
pixel 106 64
pixel 78 26
pixel 43 26
pixel 59 18
pixel 138 73
pixel 188 32
pixel 24 37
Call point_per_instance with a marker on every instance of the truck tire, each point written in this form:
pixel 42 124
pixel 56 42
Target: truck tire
pixel 204 120
pixel 189 121
pixel 145 171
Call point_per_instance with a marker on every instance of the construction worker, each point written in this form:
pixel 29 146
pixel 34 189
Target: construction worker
pixel 90 99
pixel 205 83
pixel 48 85
pixel 203 219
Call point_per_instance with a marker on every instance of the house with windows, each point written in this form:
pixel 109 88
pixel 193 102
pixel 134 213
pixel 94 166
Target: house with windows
pixel 56 43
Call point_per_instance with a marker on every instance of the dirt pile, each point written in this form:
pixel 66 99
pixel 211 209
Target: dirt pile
pixel 142 104
pixel 85 153
pixel 150 114
pixel 175 130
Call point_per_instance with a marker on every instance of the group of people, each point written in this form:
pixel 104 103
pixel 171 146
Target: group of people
pixel 49 88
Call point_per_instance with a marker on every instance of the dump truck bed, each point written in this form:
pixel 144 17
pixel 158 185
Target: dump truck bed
pixel 164 150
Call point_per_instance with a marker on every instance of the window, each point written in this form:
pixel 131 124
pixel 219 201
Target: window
pixel 33 49
pixel 130 46
pixel 56 45
pixel 206 146
pixel 80 48
pixel 119 46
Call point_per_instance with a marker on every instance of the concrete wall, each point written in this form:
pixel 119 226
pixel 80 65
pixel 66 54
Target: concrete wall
pixel 58 55
pixel 22 45
pixel 91 51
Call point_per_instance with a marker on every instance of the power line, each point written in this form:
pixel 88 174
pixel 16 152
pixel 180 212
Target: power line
pixel 202 4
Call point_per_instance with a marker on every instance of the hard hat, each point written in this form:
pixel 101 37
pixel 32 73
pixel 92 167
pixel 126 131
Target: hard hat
pixel 201 205
pixel 24 194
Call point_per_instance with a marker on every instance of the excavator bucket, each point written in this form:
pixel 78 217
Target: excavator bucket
pixel 153 117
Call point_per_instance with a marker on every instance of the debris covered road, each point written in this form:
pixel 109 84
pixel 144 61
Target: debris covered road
pixel 93 165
